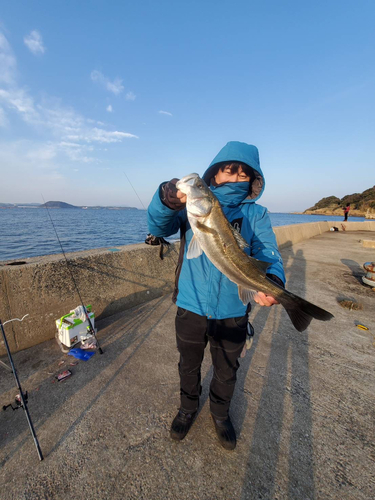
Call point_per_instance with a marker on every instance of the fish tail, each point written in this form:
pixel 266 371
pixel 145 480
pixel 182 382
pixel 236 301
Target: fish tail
pixel 301 312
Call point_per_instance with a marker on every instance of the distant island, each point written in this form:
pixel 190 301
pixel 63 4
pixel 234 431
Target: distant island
pixel 57 204
pixel 61 204
pixel 361 205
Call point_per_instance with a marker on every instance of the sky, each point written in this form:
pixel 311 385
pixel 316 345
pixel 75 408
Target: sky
pixel 100 96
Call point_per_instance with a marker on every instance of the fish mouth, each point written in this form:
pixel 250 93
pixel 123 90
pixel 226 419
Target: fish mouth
pixel 188 180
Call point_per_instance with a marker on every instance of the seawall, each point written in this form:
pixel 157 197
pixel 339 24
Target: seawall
pixel 112 281
pixel 289 235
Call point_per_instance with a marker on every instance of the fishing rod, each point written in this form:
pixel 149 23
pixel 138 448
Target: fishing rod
pixel 135 191
pixel 21 398
pixel 90 328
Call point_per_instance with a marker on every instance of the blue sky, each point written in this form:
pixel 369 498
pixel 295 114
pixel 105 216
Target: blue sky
pixel 91 91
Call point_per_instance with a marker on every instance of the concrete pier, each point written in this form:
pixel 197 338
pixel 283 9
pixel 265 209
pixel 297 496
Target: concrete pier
pixel 110 280
pixel 303 407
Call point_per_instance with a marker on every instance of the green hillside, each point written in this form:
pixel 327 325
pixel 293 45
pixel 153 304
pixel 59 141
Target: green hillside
pixel 360 204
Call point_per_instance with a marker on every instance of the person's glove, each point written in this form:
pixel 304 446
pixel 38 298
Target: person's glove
pixel 249 339
pixel 168 195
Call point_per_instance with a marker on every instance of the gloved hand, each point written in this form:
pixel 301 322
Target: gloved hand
pixel 169 195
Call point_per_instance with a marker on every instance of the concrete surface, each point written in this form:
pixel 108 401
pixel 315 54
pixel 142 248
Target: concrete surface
pixel 303 407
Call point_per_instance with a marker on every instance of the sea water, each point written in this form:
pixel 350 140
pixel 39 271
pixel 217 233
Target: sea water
pixel 29 232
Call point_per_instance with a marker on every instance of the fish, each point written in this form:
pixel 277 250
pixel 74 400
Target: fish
pixel 224 247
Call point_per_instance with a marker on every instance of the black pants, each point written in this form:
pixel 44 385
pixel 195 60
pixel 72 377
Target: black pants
pixel 227 338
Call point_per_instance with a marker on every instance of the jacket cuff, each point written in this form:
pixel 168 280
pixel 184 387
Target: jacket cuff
pixel 276 279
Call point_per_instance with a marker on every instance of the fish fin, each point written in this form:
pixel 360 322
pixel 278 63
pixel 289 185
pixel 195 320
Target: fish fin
pixel 299 318
pixel 245 294
pixel 301 312
pixel 194 250
pixel 241 242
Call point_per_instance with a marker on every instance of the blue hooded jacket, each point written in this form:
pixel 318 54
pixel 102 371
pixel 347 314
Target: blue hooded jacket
pixel 202 288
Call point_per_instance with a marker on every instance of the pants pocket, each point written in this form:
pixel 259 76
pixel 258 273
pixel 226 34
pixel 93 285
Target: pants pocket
pixel 241 321
pixel 181 312
pixel 230 334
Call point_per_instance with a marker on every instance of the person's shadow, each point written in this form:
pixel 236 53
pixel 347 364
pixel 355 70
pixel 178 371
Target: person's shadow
pixel 284 408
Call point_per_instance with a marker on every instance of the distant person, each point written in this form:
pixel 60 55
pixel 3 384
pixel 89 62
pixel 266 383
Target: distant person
pixel 346 211
pixel 209 308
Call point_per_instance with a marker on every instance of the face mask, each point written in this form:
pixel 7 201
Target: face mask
pixel 231 194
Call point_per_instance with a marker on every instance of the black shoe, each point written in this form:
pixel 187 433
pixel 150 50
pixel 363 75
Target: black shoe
pixel 181 425
pixel 226 433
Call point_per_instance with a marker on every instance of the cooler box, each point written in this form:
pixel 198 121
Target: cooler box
pixel 71 329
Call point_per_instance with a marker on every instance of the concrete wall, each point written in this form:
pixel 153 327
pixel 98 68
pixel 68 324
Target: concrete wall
pixel 111 281
pixel 289 235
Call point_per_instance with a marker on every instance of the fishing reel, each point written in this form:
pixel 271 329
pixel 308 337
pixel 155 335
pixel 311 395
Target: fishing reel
pixel 18 402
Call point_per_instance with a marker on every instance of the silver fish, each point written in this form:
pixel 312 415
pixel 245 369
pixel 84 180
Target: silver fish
pixel 224 246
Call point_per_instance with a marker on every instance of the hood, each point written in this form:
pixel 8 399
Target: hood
pixel 244 153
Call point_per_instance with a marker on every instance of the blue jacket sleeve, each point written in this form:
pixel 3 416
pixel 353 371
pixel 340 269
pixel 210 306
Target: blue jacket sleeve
pixel 161 220
pixel 264 245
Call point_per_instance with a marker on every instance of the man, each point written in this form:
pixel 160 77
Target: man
pixel 346 211
pixel 209 308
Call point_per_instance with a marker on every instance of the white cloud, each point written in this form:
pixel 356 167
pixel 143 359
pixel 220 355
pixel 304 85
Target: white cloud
pixel 109 108
pixel 130 96
pixel 34 42
pixel 7 61
pixel 68 127
pixel 77 152
pixel 65 144
pixel 95 122
pixel 165 113
pixel 3 118
pixel 115 87
pixel 60 119
pixel 65 123
pixel 27 155
pixel 66 135
pixel 47 114
pixel 42 154
pixel 18 100
pixel 100 135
